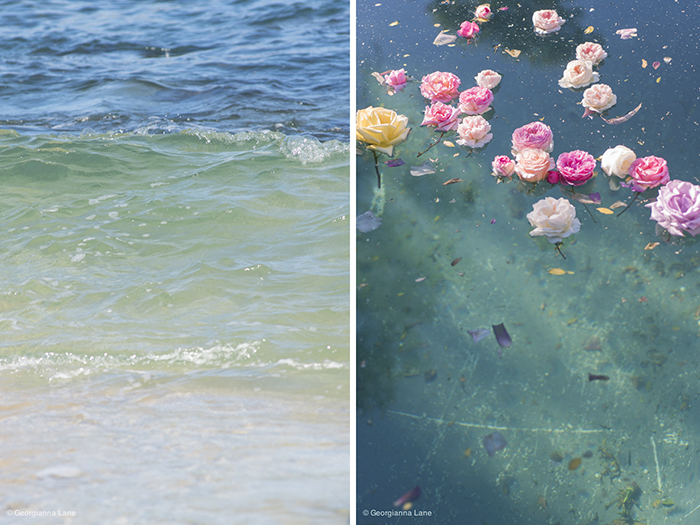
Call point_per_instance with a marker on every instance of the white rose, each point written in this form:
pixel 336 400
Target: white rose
pixel 578 74
pixel 616 161
pixel 554 219
pixel 598 98
pixel 488 79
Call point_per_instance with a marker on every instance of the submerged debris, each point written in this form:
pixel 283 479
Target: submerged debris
pixel 494 442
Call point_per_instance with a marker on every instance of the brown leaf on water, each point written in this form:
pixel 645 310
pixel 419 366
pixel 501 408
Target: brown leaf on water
pixel 515 53
pixel 456 261
pixel 451 181
pixel 618 204
pixel 651 245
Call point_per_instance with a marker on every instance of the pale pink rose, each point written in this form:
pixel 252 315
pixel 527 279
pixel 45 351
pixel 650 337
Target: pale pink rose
pixel 468 29
pixel 554 219
pixel 396 79
pixel 483 12
pixel 474 132
pixel 442 116
pixel 598 98
pixel 533 135
pixel 487 79
pixel 532 164
pixel 475 101
pixel 677 208
pixel 440 87
pixel 648 172
pixel 547 21
pixel 590 52
pixel 503 166
pixel 575 167
pixel 578 74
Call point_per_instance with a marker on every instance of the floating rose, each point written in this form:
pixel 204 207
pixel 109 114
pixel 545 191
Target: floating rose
pixel 483 13
pixel 578 74
pixel 677 208
pixel 475 101
pixel 474 132
pixel 468 29
pixel 575 167
pixel 503 166
pixel 440 87
pixel 554 219
pixel 396 79
pixel 616 161
pixel 534 135
pixel 381 129
pixel 648 172
pixel 590 52
pixel 532 164
pixel 598 98
pixel 488 79
pixel 547 21
pixel 442 116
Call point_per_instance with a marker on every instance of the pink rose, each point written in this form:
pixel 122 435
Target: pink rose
pixel 590 52
pixel 503 166
pixel 444 117
pixel 474 132
pixel 440 87
pixel 648 172
pixel 532 164
pixel 598 98
pixel 547 21
pixel 677 208
pixel 534 135
pixel 575 167
pixel 468 29
pixel 488 79
pixel 483 12
pixel 396 79
pixel 475 101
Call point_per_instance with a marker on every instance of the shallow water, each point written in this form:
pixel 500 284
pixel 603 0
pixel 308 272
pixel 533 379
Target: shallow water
pixel 174 243
pixel 625 312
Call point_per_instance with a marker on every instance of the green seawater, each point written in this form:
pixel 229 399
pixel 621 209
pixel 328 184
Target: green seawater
pixel 175 311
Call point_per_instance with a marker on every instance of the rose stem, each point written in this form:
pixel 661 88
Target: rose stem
pixel 630 204
pixel 376 168
pixel 433 144
pixel 558 247
pixel 573 192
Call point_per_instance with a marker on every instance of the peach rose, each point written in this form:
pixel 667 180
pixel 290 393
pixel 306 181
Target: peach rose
pixel 381 128
pixel 442 116
pixel 503 166
pixel 532 164
pixel 468 29
pixel 590 52
pixel 616 161
pixel 533 135
pixel 488 79
pixel 578 74
pixel 554 219
pixel 474 132
pixel 440 87
pixel 598 98
pixel 475 101
pixel 648 172
pixel 547 21
pixel 483 12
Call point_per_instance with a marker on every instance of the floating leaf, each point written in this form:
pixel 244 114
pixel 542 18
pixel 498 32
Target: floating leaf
pixel 515 53
pixel 451 181
pixel 656 64
pixel 448 143
pixel 644 63
pixel 394 24
pixel 588 30
pixel 667 60
pixel 668 502
pixel 605 211
pixel 394 163
pixel 368 222
pixel 651 245
pixel 443 39
pixel 424 169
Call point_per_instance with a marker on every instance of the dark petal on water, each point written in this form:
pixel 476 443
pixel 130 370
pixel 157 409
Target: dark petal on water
pixel 494 442
pixel 394 163
pixel 595 197
pixel 424 169
pixel 502 335
pixel 368 222
pixel 479 333
pixel 411 495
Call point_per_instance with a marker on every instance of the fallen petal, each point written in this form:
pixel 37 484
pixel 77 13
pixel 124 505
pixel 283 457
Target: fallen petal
pixel 656 65
pixel 411 495
pixel 443 39
pixel 626 34
pixel 595 197
pixel 368 222
pixel 494 442
pixel 501 335
pixel 394 163
pixel 424 169
pixel 479 333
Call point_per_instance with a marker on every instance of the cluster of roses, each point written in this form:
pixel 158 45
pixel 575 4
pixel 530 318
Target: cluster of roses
pixel 441 88
pixel 469 29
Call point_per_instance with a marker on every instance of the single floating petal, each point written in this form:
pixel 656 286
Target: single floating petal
pixel 588 30
pixel 451 181
pixel 626 34
pixel 394 163
pixel 557 271
pixel 651 245
pixel 605 211
pixel 515 53
pixel 501 335
pixel 421 279
pixel 454 263
pixel 595 197
pixel 368 222
pixel 656 64
pixel 443 39
pixel 411 495
pixel 625 118
pixel 479 334
pixel 394 24
pixel 644 64
pixel 494 442
pixel 424 169
pixel 448 143
pixel 667 60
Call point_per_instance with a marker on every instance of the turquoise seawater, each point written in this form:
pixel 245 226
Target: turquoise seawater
pixel 452 258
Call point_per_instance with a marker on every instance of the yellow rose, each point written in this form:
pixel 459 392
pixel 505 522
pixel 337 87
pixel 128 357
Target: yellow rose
pixel 381 128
